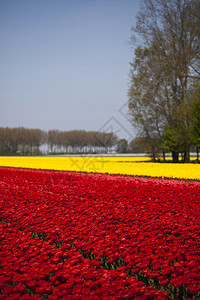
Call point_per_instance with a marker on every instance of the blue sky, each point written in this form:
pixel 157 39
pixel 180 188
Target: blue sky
pixel 65 63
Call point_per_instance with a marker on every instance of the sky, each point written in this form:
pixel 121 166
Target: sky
pixel 64 64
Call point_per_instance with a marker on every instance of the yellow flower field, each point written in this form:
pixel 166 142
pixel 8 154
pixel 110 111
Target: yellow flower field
pixel 111 165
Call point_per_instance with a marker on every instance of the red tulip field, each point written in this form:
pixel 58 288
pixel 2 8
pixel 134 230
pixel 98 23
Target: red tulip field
pixel 70 235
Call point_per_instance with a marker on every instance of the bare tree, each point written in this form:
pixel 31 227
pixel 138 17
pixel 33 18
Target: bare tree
pixel 52 139
pixel 28 141
pixel 145 102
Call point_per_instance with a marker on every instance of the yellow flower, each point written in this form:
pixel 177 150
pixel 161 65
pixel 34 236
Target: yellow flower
pixel 137 166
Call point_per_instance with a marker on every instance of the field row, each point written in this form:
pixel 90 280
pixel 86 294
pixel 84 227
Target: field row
pixel 140 166
pixel 77 235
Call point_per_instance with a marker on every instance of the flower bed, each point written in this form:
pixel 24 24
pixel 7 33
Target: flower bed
pixel 111 165
pixel 88 236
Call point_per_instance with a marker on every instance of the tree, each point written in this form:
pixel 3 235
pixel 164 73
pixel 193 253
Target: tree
pixel 164 67
pixel 145 103
pixel 122 146
pixel 138 145
pixel 104 140
pixel 195 126
pixel 52 139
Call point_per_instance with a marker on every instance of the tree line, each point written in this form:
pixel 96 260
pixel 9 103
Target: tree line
pixel 164 92
pixel 27 141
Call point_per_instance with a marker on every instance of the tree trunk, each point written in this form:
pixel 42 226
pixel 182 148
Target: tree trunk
pixel 154 156
pixel 163 155
pixel 186 158
pixel 175 157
